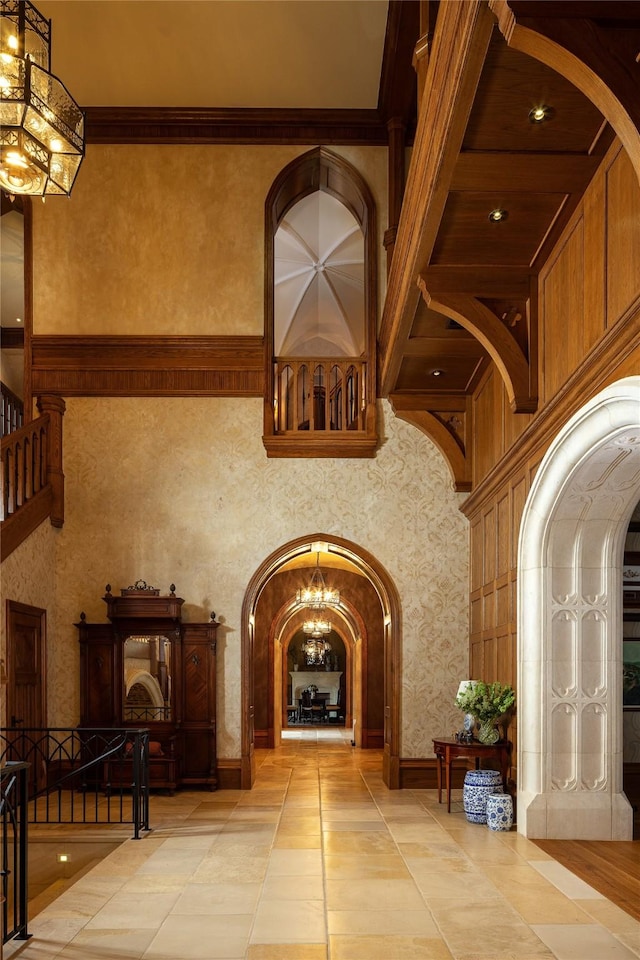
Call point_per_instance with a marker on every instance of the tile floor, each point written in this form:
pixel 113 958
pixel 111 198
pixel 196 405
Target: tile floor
pixel 321 862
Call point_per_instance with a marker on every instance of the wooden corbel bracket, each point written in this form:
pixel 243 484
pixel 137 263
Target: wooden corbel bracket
pixel 496 338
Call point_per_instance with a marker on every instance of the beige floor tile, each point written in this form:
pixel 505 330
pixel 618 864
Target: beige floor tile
pixel 617 921
pixel 293 888
pixel 495 931
pixel 451 879
pixel 372 867
pixel 287 951
pixel 582 943
pixel 277 922
pixel 214 898
pixel 295 863
pixel 145 910
pixel 394 894
pixel 286 841
pixel 387 947
pixel 97 944
pixel 299 825
pixel 380 922
pixel 202 938
pixel 336 842
pixel 440 849
pixel 234 869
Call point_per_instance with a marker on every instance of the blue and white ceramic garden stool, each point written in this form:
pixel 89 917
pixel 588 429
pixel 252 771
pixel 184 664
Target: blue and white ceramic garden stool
pixel 499 811
pixel 478 787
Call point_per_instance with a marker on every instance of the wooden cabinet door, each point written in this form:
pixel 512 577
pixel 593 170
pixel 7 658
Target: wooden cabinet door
pixel 198 720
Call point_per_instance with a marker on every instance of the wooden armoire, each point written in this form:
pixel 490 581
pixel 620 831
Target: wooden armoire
pixel 146 669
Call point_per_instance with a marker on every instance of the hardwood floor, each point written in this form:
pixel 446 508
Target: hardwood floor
pixel 610 866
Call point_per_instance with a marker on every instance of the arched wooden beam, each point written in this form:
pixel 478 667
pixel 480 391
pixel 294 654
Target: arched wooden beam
pixel 501 346
pixel 445 441
pixel 599 60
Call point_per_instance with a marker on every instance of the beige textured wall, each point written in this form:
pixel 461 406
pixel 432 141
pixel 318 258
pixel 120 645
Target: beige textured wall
pixel 166 240
pixel 180 490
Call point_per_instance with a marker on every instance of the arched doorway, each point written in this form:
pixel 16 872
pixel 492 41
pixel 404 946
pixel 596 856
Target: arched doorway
pixel 345 680
pixel 254 656
pixel 570 623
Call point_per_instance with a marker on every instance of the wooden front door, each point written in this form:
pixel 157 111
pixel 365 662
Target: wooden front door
pixel 26 672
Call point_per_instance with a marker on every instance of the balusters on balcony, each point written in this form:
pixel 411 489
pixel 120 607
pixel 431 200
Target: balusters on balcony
pixel 326 396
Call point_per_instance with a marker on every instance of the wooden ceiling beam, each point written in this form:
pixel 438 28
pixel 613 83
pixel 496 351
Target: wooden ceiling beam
pixel 454 347
pixel 460 42
pixel 592 46
pixel 531 172
pixel 485 282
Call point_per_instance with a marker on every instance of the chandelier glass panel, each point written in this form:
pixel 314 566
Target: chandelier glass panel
pixel 316 596
pixel 41 125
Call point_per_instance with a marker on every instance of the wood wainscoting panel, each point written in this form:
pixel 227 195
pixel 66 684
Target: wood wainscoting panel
pixel 113 366
pixel 623 218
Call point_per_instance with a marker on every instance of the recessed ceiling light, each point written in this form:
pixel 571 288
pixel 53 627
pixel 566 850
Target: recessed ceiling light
pixel 540 113
pixel 497 215
pixel 63 858
pixel 437 373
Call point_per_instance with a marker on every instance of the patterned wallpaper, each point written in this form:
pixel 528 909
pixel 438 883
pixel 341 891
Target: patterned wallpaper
pixel 180 490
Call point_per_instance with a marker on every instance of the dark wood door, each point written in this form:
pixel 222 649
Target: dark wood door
pixel 26 672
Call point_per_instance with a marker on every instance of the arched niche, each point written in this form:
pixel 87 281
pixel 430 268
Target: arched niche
pixel 570 623
pixel 306 404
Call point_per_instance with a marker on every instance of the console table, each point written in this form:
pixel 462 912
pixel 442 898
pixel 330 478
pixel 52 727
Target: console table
pixel 447 750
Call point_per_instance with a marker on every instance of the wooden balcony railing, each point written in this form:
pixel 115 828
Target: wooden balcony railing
pixel 321 407
pixel 32 481
pixel 12 416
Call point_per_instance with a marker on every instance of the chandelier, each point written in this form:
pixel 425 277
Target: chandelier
pixel 315 651
pixel 41 125
pixel 317 595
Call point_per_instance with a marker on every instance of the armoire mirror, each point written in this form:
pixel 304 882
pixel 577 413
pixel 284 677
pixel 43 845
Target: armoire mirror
pixel 147 679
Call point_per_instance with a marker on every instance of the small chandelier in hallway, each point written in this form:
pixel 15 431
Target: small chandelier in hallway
pixel 41 125
pixel 317 595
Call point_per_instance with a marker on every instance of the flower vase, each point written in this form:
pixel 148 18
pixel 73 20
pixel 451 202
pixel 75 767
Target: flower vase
pixel 488 732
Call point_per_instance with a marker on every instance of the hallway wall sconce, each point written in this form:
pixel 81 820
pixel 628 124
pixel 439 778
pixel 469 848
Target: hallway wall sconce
pixel 41 125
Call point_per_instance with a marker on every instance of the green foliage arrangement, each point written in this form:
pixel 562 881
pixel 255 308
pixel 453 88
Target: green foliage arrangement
pixel 486 701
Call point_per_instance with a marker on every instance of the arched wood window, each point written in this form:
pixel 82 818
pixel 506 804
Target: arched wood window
pixel 320 311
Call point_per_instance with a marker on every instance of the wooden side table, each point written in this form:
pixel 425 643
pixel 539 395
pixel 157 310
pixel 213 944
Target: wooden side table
pixel 447 749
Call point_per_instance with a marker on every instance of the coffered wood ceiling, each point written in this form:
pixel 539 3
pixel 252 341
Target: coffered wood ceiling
pixel 461 287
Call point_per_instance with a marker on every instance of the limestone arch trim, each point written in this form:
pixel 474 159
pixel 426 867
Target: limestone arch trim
pixel 570 623
pixel 392 665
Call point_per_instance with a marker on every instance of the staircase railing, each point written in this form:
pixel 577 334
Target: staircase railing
pixel 31 480
pixel 71 773
pixel 12 415
pixel 13 862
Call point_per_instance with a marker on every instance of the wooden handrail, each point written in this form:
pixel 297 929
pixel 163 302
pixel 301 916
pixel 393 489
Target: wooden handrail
pixel 31 479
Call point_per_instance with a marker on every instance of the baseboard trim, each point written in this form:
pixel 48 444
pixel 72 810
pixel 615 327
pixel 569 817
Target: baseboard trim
pixel 229 771
pixel 420 773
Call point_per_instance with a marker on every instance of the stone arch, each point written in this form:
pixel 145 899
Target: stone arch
pixel 392 665
pixel 570 623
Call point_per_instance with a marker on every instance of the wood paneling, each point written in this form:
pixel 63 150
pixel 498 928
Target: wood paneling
pixel 580 357
pixel 148 366
pixel 622 236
